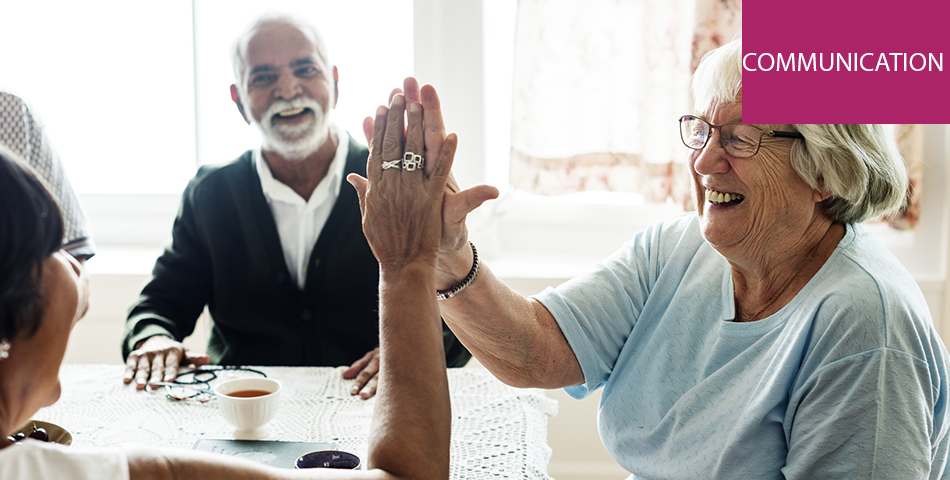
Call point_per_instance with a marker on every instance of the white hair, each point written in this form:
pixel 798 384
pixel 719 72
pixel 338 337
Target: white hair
pixel 238 61
pixel 858 164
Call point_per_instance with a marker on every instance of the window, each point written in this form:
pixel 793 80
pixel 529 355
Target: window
pixel 136 95
pixel 113 83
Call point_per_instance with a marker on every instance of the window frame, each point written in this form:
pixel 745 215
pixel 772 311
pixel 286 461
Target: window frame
pixel 518 234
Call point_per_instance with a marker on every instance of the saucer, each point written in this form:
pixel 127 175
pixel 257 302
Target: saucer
pixel 56 433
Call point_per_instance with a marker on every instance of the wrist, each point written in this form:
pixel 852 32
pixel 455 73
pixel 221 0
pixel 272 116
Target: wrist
pixel 453 266
pixel 445 294
pixel 413 270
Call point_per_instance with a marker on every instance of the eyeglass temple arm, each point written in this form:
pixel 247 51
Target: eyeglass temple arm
pixel 773 133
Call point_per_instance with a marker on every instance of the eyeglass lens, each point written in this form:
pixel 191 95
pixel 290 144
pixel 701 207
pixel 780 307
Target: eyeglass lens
pixel 738 140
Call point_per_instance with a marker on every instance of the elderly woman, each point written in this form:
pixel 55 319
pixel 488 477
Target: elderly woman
pixel 42 296
pixel 767 335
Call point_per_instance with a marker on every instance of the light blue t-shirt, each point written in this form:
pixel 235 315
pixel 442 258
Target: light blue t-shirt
pixel 849 380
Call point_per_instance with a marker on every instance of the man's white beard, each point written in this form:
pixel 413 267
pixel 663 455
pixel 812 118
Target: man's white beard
pixel 294 142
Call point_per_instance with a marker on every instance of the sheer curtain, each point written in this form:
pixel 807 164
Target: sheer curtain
pixel 910 141
pixel 598 86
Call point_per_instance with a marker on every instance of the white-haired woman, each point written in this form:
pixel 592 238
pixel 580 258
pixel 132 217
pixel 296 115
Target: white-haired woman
pixel 766 335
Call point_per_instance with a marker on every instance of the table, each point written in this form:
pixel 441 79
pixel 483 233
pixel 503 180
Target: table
pixel 498 431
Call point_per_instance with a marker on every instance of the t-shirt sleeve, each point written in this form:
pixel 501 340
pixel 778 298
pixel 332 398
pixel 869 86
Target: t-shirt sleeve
pixel 35 459
pixel 866 416
pixel 870 401
pixel 597 311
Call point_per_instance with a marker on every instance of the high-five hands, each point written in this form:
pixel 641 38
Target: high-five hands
pixel 455 257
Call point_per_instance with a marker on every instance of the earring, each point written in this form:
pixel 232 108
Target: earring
pixel 4 349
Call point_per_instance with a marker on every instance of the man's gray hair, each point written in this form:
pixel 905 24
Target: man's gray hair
pixel 238 61
pixel 859 165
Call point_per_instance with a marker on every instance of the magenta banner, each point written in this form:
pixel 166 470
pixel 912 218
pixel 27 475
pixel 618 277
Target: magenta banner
pixel 845 61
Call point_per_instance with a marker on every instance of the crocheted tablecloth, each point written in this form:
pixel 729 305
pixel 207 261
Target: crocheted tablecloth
pixel 497 431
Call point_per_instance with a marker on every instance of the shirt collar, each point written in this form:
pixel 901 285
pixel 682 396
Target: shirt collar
pixel 274 190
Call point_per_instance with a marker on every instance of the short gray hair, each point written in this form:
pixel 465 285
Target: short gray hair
pixel 859 165
pixel 238 62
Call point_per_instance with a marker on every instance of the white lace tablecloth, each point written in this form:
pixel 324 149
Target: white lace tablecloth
pixel 497 431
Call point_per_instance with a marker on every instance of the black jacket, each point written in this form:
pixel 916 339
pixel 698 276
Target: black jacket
pixel 226 254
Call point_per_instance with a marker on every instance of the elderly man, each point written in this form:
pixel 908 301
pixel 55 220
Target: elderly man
pixel 270 242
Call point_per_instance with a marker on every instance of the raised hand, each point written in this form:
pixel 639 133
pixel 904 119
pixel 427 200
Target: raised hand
pixel 455 257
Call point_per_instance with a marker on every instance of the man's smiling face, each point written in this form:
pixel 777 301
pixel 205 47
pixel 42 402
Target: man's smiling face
pixel 287 89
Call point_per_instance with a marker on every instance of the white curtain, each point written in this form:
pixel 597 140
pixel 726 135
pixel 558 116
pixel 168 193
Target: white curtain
pixel 598 86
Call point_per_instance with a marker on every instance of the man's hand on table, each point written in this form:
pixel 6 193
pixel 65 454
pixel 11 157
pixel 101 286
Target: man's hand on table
pixel 156 359
pixel 366 372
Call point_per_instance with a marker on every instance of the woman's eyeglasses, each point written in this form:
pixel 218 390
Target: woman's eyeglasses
pixel 737 139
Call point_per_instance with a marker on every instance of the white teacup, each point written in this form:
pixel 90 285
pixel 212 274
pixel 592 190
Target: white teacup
pixel 247 404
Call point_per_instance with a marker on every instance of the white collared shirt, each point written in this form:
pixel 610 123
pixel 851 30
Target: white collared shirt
pixel 299 222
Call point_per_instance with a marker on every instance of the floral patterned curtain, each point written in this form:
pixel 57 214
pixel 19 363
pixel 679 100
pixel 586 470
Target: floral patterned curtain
pixel 598 86
pixel 910 141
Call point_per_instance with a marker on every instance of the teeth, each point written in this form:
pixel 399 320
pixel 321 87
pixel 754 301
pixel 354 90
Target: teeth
pixel 290 113
pixel 713 196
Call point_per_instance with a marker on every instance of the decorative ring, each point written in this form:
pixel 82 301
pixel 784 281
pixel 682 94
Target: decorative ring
pixel 392 164
pixel 413 161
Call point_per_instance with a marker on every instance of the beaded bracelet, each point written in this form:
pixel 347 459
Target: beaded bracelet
pixel 447 294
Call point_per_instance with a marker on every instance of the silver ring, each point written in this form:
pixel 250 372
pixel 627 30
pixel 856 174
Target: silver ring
pixel 392 164
pixel 413 161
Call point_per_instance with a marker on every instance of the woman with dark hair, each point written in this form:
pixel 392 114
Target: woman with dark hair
pixel 31 225
pixel 42 296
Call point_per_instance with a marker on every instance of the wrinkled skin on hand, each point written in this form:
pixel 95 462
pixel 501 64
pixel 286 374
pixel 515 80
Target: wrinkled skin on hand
pixel 366 373
pixel 156 359
pixel 455 257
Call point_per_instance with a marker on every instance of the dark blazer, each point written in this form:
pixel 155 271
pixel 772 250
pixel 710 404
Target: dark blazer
pixel 225 253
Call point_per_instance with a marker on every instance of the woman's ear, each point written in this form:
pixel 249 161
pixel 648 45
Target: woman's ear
pixel 821 194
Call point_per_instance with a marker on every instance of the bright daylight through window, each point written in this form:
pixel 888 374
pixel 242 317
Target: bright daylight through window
pixel 135 95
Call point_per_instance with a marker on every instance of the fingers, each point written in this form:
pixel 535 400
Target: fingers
pixel 158 368
pixel 130 364
pixel 414 141
pixel 434 126
pixel 369 390
pixel 156 359
pixel 142 368
pixel 452 185
pixel 396 91
pixel 375 161
pixel 362 385
pixel 368 130
pixel 359 364
pixel 462 203
pixel 197 359
pixel 360 184
pixel 393 139
pixel 410 88
pixel 169 368
pixel 443 164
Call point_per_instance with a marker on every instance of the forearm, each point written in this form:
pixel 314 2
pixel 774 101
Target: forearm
pixel 410 437
pixel 515 338
pixel 160 464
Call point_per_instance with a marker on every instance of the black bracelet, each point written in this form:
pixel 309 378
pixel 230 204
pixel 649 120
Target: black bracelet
pixel 447 294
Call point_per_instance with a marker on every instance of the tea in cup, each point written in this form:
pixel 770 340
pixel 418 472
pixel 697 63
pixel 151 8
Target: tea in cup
pixel 248 404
